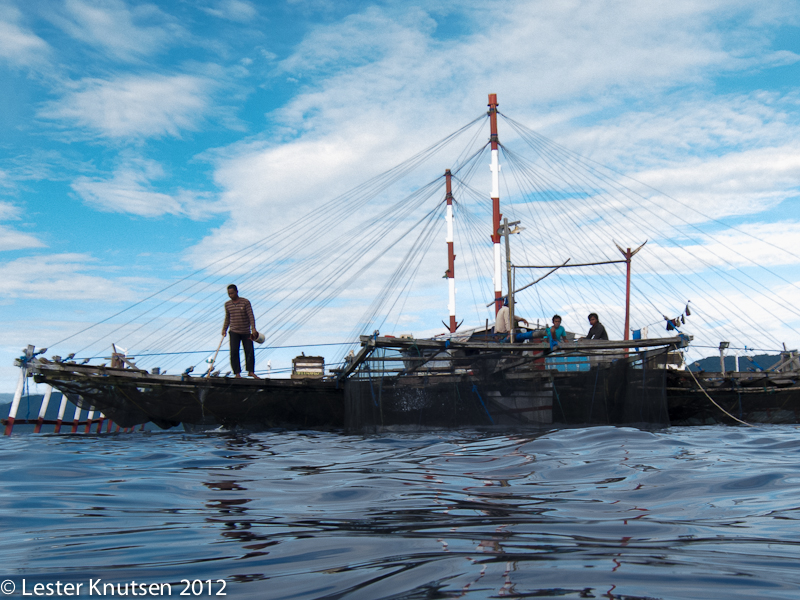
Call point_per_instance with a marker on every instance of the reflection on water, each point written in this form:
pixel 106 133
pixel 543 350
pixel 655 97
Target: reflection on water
pixel 589 513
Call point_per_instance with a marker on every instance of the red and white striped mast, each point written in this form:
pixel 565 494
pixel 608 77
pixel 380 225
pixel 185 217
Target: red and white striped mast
pixel 451 257
pixel 496 216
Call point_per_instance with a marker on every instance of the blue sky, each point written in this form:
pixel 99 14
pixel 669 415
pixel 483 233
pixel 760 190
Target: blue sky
pixel 139 140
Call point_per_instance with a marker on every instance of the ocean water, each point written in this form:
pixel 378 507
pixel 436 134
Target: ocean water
pixel 604 512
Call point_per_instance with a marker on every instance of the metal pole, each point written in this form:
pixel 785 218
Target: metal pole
pixel 451 257
pixel 628 256
pixel 722 347
pixel 496 216
pixel 510 284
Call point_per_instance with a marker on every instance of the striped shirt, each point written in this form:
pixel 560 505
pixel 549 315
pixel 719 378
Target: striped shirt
pixel 239 315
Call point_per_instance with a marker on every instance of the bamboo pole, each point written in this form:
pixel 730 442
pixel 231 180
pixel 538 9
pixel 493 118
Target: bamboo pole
pixel 43 408
pixel 61 409
pixel 12 413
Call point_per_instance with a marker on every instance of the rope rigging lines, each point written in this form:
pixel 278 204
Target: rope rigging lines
pixel 372 258
pixel 608 202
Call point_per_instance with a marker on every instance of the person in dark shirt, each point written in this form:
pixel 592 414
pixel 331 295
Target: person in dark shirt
pixel 239 317
pixel 596 331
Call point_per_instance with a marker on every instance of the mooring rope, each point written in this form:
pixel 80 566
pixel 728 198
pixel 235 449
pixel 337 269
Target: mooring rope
pixel 715 404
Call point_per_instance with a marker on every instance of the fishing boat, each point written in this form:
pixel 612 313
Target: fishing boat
pixel 464 377
pixel 762 396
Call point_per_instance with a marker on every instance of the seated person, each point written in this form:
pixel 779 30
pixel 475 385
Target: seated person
pixel 596 331
pixel 503 324
pixel 556 333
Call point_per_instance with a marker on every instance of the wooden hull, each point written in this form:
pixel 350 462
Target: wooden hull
pixel 485 395
pixel 772 398
pixel 130 398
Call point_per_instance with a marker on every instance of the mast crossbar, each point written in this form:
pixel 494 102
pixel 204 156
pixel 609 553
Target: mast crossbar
pixel 591 264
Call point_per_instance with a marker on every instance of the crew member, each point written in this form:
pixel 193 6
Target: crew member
pixel 556 333
pixel 596 331
pixel 503 323
pixel 239 316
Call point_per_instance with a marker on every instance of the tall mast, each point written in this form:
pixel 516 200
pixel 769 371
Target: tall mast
pixel 451 257
pixel 496 216
pixel 628 256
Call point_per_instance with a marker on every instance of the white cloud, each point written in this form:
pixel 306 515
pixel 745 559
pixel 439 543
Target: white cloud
pixel 134 106
pixel 130 191
pixel 528 52
pixel 381 84
pixel 11 239
pixel 233 10
pixel 738 183
pixel 8 211
pixel 59 277
pixel 111 25
pixel 19 46
pixel 752 246
pixel 683 128
pixel 380 72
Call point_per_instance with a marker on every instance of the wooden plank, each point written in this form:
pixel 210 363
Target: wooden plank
pixel 368 345
pixel 383 342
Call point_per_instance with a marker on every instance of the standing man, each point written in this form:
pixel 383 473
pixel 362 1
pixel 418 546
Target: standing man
pixel 596 331
pixel 239 316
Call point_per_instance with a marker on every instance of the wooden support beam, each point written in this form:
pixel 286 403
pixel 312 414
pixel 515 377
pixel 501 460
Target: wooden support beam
pixel 367 346
pixel 383 342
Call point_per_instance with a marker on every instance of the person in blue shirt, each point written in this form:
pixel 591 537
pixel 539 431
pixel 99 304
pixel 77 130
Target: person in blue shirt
pixel 556 333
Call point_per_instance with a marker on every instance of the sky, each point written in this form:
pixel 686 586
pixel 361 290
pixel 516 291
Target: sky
pixel 141 140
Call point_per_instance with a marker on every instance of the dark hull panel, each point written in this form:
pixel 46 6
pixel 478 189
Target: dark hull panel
pixel 763 404
pixel 485 395
pixel 130 398
pixel 616 395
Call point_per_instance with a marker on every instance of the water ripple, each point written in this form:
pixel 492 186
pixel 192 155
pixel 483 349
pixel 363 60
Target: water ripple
pixel 705 512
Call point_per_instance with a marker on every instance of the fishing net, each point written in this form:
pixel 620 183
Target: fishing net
pixel 505 391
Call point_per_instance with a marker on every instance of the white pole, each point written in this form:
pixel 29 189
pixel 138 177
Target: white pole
pixel 498 270
pixel 89 419
pixel 12 413
pixel 451 305
pixel 451 257
pixel 43 409
pixel 496 214
pixel 61 410
pixel 45 401
pixel 722 347
pixel 76 419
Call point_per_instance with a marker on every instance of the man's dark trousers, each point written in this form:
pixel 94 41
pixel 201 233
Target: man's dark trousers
pixel 249 357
